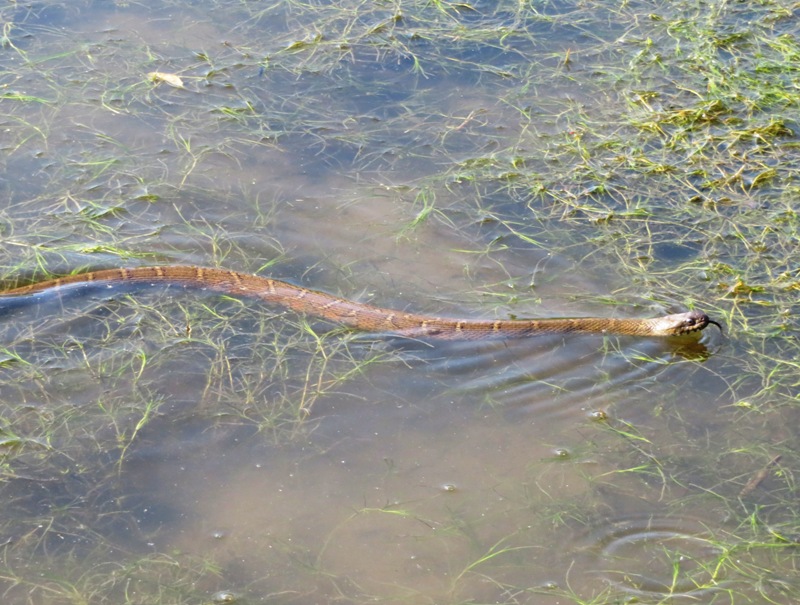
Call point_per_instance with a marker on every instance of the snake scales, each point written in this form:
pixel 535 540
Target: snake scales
pixel 367 317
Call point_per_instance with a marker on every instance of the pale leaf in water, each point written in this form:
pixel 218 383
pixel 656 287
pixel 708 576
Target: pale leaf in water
pixel 171 79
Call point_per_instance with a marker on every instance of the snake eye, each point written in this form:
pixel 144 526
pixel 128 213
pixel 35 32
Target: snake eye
pixel 697 320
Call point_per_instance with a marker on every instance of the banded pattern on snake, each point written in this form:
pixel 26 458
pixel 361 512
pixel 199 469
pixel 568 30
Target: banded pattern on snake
pixel 369 318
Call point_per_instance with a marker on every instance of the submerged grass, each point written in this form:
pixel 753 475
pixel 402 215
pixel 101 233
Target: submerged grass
pixel 651 142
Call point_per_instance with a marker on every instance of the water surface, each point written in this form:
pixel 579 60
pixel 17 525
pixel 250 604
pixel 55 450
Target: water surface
pixel 172 445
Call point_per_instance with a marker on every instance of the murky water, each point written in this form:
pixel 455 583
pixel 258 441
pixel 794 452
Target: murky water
pixel 179 445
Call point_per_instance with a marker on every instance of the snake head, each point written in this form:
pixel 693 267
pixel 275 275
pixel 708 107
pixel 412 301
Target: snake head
pixel 691 321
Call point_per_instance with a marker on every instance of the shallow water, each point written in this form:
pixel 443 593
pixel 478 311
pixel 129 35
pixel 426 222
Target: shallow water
pixel 176 445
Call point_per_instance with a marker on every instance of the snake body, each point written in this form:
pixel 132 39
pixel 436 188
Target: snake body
pixel 365 317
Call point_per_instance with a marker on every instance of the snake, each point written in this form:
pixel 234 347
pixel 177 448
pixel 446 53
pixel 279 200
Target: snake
pixel 366 317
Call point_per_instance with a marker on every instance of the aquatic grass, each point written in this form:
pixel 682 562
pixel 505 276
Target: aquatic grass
pixel 655 145
pixel 738 564
pixel 162 578
pixel 131 404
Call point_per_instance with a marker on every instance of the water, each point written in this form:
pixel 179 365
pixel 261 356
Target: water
pixel 174 445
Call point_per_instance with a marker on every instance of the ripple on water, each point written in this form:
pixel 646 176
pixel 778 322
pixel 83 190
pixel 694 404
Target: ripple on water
pixel 553 375
pixel 657 556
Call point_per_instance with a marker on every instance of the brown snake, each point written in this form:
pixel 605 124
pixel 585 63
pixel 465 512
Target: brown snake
pixel 368 318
